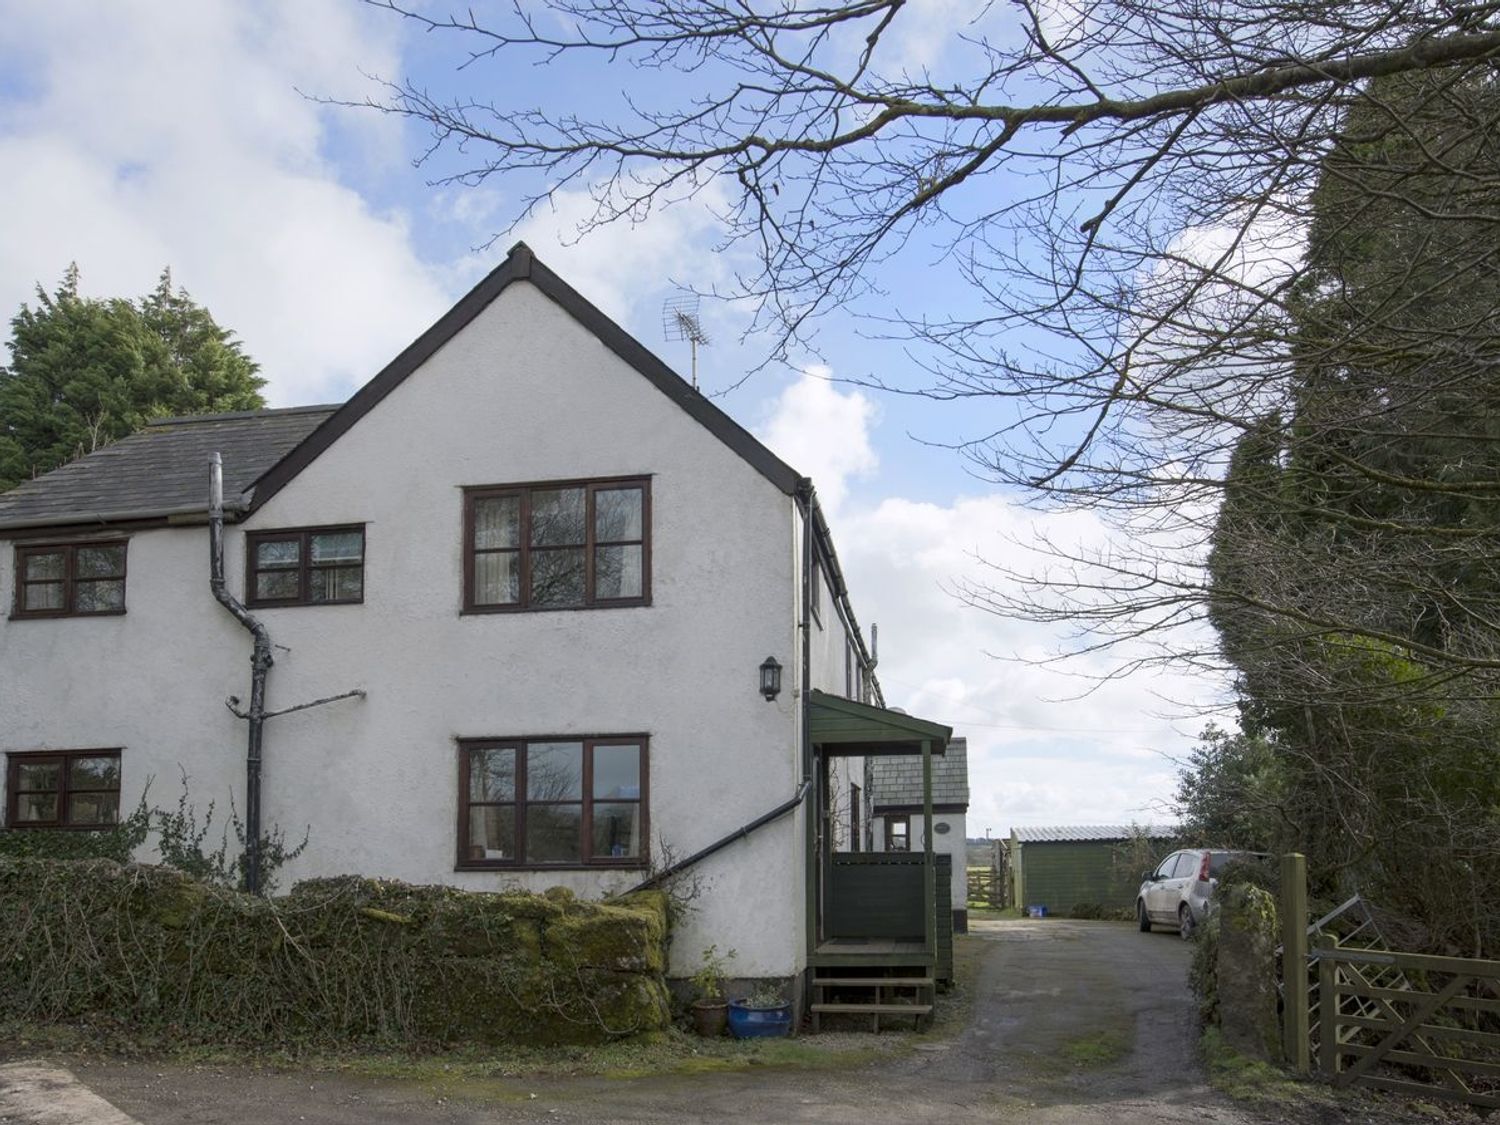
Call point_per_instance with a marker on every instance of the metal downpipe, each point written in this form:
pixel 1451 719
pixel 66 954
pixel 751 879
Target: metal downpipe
pixel 260 666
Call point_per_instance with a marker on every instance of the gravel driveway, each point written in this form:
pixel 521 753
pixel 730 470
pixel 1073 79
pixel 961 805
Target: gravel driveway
pixel 1071 1022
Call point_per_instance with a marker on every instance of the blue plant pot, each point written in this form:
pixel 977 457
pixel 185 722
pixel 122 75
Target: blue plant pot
pixel 746 1022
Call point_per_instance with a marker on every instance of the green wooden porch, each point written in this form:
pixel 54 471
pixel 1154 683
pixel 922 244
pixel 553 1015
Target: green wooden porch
pixel 873 918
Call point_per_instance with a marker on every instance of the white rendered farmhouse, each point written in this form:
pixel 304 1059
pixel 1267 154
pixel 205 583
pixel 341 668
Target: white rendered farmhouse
pixel 552 571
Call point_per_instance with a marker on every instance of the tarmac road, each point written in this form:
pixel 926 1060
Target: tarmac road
pixel 1072 1022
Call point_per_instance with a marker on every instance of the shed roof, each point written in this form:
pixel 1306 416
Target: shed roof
pixel 161 470
pixel 1083 833
pixel 898 781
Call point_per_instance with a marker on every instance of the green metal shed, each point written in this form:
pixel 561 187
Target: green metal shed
pixel 1067 866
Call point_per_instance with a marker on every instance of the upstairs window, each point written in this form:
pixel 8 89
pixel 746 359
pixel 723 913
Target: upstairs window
pixel 568 545
pixel 305 566
pixel 552 802
pixel 70 579
pixel 63 789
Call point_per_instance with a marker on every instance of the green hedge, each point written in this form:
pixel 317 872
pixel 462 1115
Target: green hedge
pixel 335 961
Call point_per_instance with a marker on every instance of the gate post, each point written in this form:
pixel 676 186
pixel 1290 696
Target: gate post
pixel 1328 1009
pixel 1293 910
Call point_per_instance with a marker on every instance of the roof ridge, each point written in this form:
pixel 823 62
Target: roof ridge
pixel 239 415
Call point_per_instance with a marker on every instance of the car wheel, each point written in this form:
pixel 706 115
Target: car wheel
pixel 1186 924
pixel 1142 918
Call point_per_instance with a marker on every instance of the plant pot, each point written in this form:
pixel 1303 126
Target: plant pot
pixel 755 1022
pixel 709 1017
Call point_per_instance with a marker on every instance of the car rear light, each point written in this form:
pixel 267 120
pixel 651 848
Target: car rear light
pixel 1203 868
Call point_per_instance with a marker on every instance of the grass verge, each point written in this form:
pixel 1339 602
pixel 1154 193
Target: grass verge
pixel 1251 1080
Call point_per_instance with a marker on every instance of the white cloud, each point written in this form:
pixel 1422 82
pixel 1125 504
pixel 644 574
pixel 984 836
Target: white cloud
pixel 1037 754
pixel 627 267
pixel 823 433
pixel 172 134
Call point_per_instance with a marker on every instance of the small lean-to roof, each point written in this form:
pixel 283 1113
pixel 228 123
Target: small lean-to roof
pixel 1088 833
pixel 160 471
pixel 896 782
pixel 850 727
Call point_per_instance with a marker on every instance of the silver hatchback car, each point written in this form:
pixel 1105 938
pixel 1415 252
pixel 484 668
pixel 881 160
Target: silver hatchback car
pixel 1180 891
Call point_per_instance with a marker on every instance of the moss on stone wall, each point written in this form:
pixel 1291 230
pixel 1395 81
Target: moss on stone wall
pixel 336 960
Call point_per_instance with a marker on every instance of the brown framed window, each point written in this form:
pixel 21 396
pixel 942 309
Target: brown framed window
pixel 70 579
pixel 63 789
pixel 305 566
pixel 559 545
pixel 552 802
pixel 898 833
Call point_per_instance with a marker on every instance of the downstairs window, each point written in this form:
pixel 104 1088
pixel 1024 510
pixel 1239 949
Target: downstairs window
pixel 63 789
pixel 552 802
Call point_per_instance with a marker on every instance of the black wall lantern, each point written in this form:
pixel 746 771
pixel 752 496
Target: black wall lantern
pixel 770 678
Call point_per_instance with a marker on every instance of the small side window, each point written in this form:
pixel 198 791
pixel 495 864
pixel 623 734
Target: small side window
pixel 305 566
pixel 898 834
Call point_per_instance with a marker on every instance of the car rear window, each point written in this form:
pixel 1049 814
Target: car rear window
pixel 1217 861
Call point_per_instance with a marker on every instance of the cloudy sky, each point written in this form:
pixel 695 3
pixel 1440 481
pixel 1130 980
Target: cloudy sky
pixel 140 135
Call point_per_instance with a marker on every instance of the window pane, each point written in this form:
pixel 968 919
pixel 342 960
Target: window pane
pixel 278 552
pixel 554 833
pixel 94 773
pixel 497 578
pixel 497 522
pixel 557 577
pixel 492 775
pixel 99 597
pixel 617 831
pixel 49 565
pixel 617 572
pixel 31 807
pixel 39 775
pixel 617 772
pixel 41 596
pixel 557 516
pixel 99 562
pixel 554 771
pixel 336 584
pixel 93 808
pixel 617 514
pixel 492 832
pixel 276 584
pixel 338 546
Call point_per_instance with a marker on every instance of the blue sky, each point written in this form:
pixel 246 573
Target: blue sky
pixel 139 135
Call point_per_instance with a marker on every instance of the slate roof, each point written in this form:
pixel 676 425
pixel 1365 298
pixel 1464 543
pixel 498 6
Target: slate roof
pixel 1085 833
pixel 897 780
pixel 161 470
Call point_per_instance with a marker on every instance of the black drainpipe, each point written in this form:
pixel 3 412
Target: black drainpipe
pixel 260 666
pixel 806 498
pixel 723 841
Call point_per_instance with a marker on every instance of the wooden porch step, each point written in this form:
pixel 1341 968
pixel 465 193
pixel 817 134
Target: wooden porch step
pixel 870 982
pixel 876 1009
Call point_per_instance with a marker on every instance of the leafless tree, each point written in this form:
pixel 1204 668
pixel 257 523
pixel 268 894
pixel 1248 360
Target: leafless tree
pixel 1127 191
pixel 1232 274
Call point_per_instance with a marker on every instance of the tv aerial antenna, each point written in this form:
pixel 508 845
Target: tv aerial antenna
pixel 679 320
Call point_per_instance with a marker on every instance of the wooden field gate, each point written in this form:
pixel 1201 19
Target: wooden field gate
pixel 1419 1025
pixel 987 886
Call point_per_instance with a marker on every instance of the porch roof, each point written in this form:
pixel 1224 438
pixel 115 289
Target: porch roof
pixel 850 727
